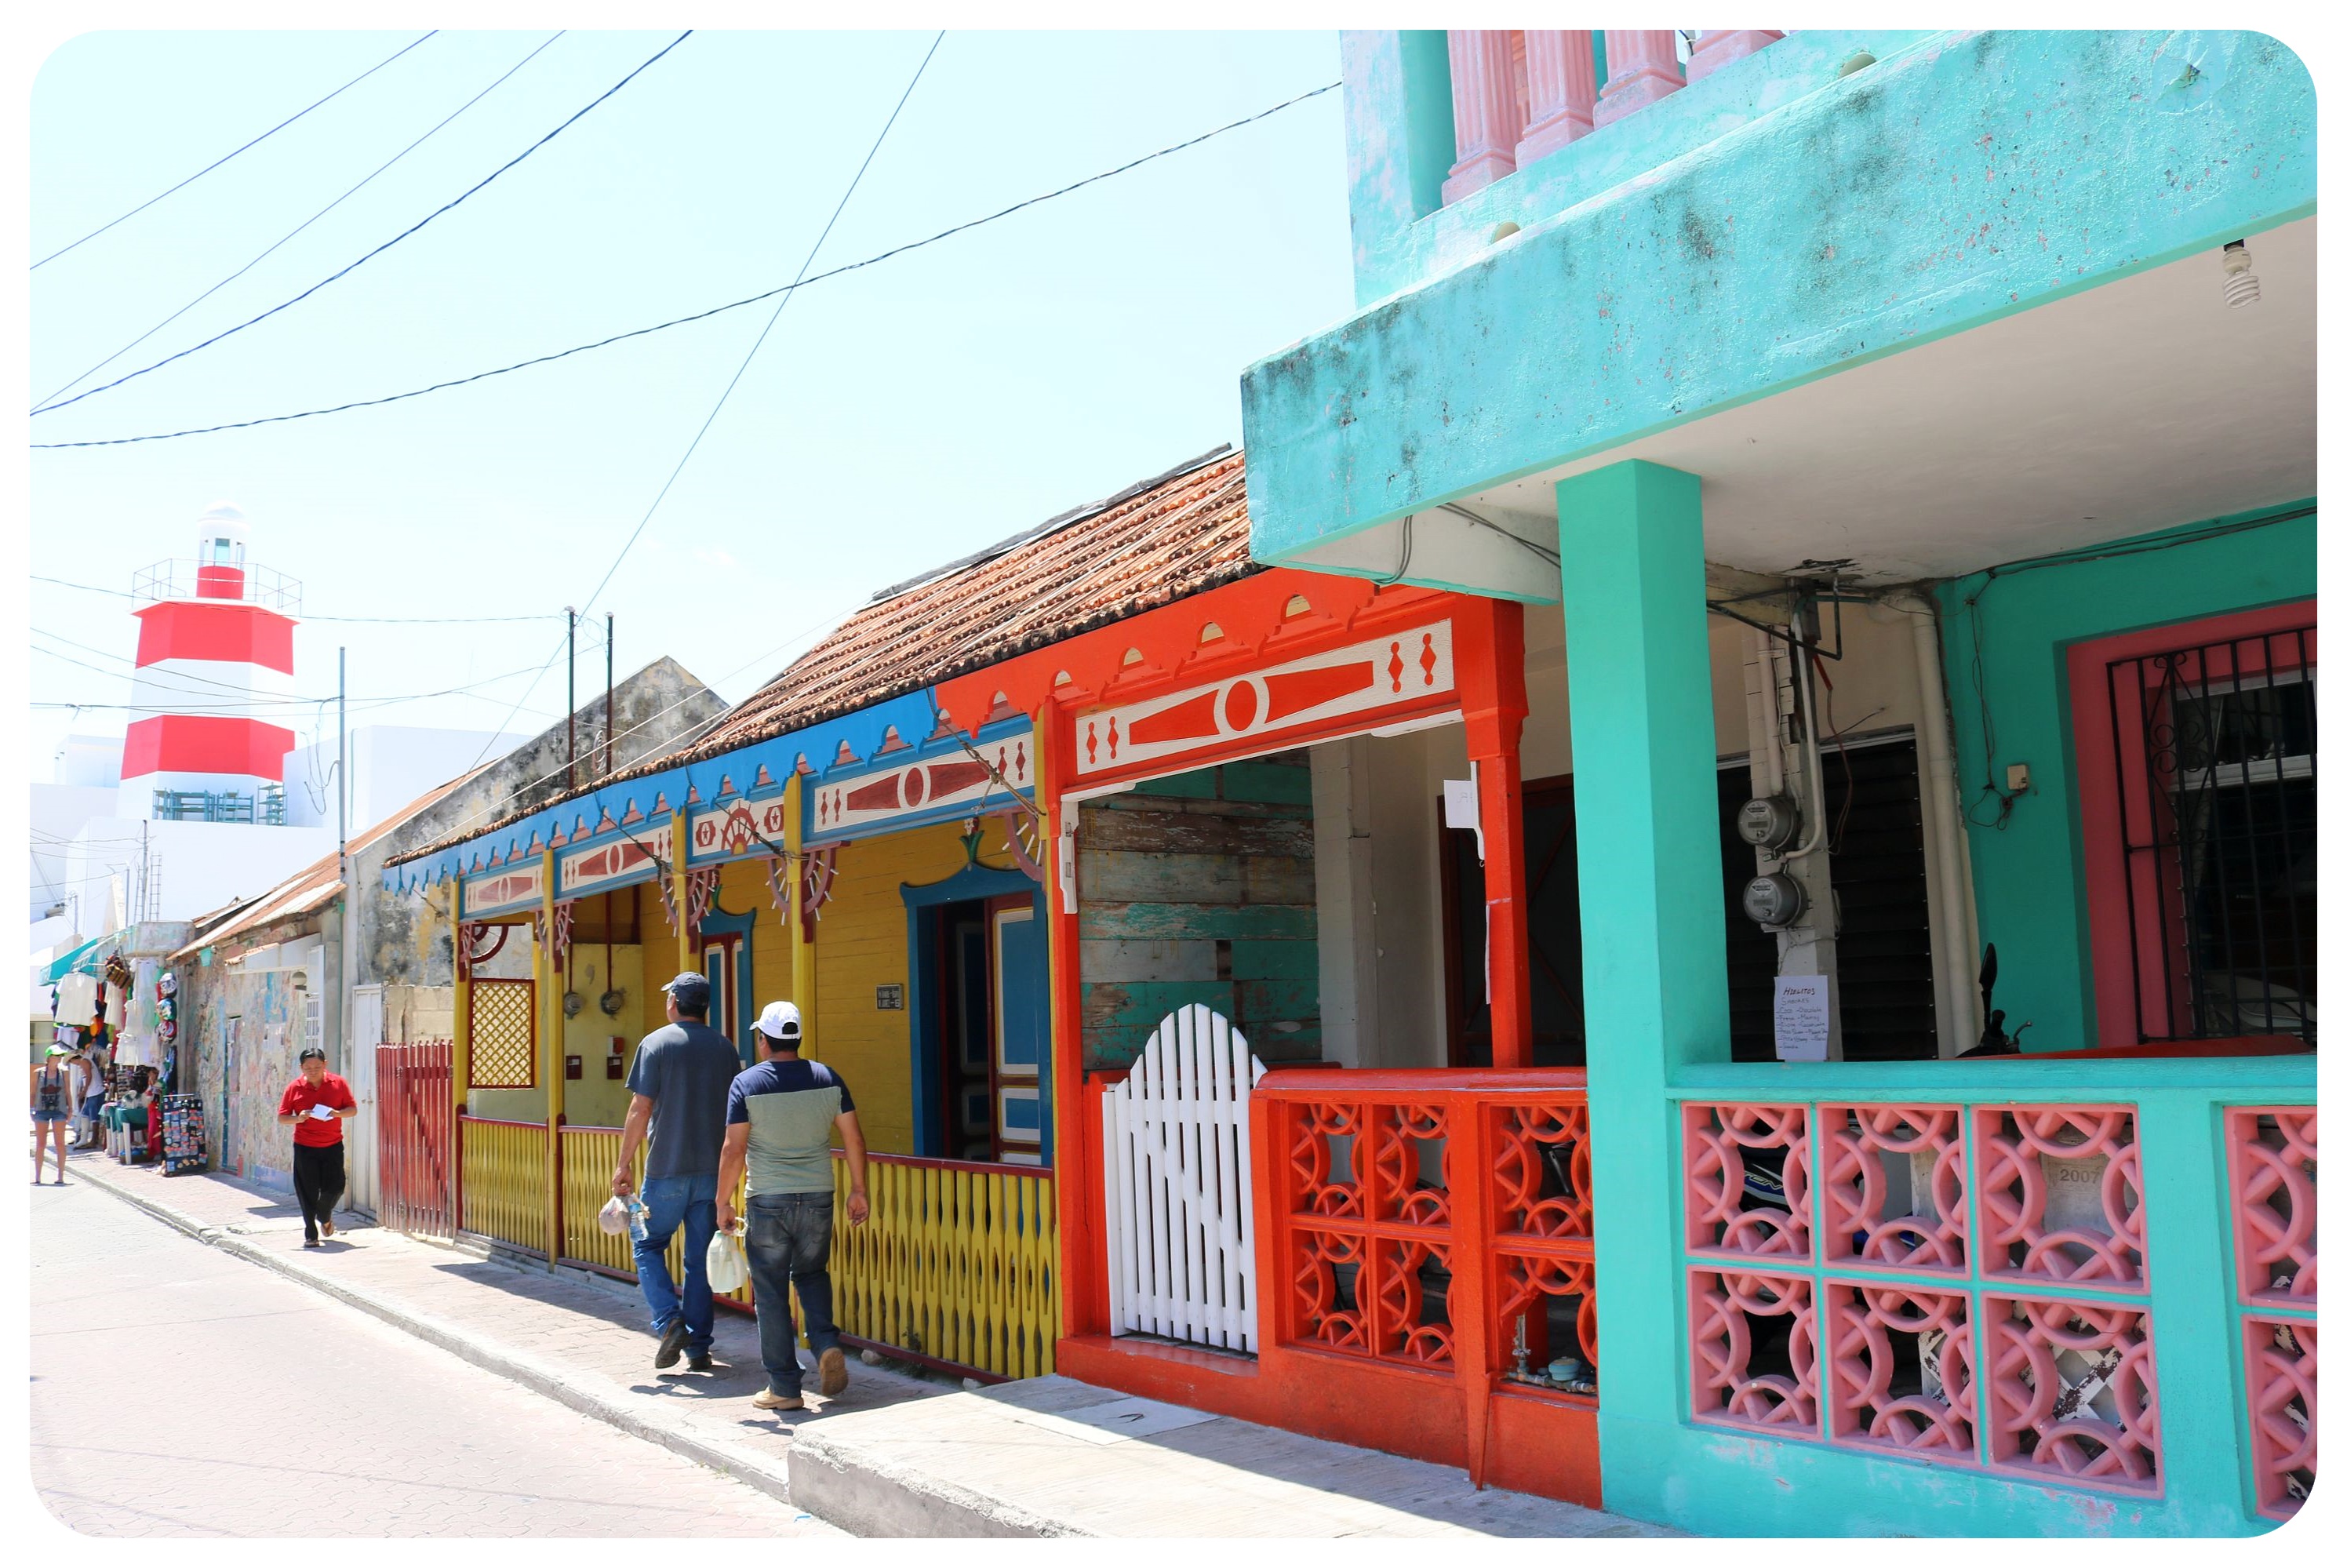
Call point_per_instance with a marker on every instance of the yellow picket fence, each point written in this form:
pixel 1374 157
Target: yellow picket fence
pixel 958 1263
pixel 588 1156
pixel 504 1167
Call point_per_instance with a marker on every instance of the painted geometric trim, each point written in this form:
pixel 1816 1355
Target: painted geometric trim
pixel 2271 1164
pixel 501 1044
pixel 2073 1394
pixel 1868 1328
pixel 1736 1206
pixel 2061 1193
pixel 1736 1319
pixel 1892 1189
pixel 2278 1359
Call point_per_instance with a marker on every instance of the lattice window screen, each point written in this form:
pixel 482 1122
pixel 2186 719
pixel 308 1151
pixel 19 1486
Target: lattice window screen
pixel 501 1051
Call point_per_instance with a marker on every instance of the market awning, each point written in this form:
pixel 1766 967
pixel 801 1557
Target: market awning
pixel 84 959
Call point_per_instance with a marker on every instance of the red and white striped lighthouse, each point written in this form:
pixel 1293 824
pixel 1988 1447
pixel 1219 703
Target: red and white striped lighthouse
pixel 215 654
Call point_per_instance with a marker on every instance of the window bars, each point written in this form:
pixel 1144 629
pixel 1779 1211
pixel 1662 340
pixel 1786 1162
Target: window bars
pixel 2215 770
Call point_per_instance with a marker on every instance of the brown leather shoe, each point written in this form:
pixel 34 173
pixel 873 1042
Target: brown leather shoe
pixel 767 1399
pixel 831 1372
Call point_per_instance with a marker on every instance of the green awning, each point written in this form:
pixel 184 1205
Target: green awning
pixel 85 958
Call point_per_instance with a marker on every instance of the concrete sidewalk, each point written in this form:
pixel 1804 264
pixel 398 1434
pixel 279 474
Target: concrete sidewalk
pixel 900 1453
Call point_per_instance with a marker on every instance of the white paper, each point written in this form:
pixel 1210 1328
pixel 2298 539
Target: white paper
pixel 1803 1017
pixel 322 1113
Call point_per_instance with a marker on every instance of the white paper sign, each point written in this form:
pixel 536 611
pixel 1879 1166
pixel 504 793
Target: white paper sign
pixel 1804 1019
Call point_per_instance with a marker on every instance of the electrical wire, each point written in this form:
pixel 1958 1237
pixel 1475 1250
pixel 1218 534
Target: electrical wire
pixel 336 619
pixel 413 228
pixel 320 212
pixel 247 146
pixel 697 315
pixel 744 369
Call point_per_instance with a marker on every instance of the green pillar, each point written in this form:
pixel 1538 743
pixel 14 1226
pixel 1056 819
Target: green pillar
pixel 1652 926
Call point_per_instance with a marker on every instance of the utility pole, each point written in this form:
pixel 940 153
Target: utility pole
pixel 570 702
pixel 341 764
pixel 609 720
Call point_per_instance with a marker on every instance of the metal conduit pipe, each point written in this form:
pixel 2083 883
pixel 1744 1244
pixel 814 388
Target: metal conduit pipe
pixel 1940 807
pixel 1816 805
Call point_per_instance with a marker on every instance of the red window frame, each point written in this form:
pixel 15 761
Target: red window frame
pixel 2107 757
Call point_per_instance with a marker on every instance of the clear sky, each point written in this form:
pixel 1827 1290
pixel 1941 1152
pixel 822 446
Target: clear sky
pixel 897 417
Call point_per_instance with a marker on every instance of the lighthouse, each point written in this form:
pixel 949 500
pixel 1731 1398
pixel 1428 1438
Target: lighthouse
pixel 214 671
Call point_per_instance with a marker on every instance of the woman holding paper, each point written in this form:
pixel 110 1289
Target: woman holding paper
pixel 314 1105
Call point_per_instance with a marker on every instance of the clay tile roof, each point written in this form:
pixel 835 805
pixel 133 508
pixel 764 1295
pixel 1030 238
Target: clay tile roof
pixel 1176 535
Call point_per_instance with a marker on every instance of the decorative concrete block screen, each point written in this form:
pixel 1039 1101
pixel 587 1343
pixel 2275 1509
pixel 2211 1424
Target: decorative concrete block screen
pixel 1970 1284
pixel 2271 1155
pixel 501 1047
pixel 1816 1327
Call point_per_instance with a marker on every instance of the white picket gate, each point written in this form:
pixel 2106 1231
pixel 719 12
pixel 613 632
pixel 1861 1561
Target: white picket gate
pixel 1181 1221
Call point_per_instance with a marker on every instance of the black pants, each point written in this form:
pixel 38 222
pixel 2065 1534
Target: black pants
pixel 317 1183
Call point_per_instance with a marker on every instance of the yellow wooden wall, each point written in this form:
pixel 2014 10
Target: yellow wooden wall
pixel 859 948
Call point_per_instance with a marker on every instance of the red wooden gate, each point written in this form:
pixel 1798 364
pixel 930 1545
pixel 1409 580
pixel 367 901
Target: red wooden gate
pixel 415 1152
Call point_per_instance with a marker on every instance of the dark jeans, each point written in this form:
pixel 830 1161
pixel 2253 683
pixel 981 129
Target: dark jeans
pixel 317 1183
pixel 671 1202
pixel 790 1246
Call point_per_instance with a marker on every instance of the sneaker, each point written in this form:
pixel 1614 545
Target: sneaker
pixel 309 1241
pixel 698 1361
pixel 672 1343
pixel 831 1370
pixel 767 1399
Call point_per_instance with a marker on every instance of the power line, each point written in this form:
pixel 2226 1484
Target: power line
pixel 247 146
pixel 322 211
pixel 387 245
pixel 338 619
pixel 246 698
pixel 697 315
pixel 780 304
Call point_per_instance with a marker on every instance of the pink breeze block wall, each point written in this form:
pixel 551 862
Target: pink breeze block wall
pixel 1722 1304
pixel 2023 1152
pixel 2030 1430
pixel 1862 1323
pixel 2272 1157
pixel 2278 1356
pixel 1715 1139
pixel 1863 1143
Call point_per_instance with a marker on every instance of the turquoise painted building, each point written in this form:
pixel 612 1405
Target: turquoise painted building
pixel 1787 370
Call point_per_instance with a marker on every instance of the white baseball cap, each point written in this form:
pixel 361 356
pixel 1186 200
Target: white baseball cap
pixel 780 1022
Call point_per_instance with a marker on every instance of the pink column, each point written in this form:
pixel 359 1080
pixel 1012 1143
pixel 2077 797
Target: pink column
pixel 1714 48
pixel 1642 64
pixel 1561 77
pixel 1485 114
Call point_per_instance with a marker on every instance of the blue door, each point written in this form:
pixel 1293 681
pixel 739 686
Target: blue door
pixel 1022 1043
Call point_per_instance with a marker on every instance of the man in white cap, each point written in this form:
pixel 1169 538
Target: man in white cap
pixel 778 1120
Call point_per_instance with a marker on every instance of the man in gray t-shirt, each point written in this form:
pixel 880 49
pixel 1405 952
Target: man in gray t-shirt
pixel 679 1086
pixel 779 1118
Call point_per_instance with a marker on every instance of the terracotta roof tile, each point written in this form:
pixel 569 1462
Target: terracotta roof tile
pixel 1179 534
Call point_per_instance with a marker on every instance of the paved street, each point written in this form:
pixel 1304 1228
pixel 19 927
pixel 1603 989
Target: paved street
pixel 180 1390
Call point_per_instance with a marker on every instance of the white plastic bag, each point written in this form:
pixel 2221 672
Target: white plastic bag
pixel 729 1271
pixel 613 1217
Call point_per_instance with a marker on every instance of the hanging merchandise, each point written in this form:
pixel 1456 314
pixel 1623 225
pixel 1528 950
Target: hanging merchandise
pixel 167 984
pixel 184 1133
pixel 116 1002
pixel 78 998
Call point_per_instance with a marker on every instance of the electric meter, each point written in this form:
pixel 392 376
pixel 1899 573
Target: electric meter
pixel 1773 900
pixel 1769 822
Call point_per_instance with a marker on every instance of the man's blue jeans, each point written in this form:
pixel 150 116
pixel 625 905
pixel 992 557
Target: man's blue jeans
pixel 790 1246
pixel 669 1201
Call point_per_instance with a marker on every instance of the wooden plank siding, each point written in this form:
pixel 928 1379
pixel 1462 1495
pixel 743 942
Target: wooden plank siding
pixel 1199 888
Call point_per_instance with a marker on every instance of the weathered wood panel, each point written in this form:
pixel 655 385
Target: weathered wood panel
pixel 1199 889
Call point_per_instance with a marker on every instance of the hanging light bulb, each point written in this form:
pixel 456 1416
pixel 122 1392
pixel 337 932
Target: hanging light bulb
pixel 2240 284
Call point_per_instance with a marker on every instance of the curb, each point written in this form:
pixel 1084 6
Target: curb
pixel 873 1496
pixel 747 1466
